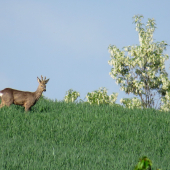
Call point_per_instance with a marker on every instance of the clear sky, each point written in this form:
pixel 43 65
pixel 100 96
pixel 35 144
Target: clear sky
pixel 67 41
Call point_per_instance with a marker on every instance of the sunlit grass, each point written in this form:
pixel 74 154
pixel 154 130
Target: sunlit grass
pixel 59 135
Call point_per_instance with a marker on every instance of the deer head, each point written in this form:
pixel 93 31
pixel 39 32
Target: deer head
pixel 42 83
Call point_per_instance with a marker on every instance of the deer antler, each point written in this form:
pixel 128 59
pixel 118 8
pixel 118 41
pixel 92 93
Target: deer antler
pixel 44 81
pixel 41 78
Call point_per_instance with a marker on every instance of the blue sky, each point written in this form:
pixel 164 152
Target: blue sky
pixel 67 41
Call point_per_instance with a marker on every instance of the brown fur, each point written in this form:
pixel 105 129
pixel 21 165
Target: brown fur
pixel 23 98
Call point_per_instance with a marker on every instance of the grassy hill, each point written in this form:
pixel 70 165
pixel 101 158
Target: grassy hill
pixel 57 135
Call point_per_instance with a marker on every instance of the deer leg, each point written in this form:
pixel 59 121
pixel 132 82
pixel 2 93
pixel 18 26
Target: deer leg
pixel 2 104
pixel 8 104
pixel 6 100
pixel 27 107
pixel 5 103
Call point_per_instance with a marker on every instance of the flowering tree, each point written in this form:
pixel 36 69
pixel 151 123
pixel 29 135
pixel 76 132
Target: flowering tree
pixel 140 69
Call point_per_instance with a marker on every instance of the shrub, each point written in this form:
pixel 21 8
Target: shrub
pixel 131 102
pixel 71 96
pixel 101 97
pixel 144 164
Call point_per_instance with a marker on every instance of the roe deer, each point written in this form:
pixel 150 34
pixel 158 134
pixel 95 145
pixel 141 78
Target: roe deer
pixel 27 99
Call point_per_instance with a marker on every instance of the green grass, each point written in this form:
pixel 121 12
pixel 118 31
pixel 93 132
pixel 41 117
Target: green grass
pixel 61 136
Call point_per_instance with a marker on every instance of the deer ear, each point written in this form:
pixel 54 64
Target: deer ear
pixel 47 81
pixel 39 81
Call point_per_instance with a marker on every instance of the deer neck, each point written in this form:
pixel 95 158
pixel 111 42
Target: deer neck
pixel 38 94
